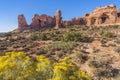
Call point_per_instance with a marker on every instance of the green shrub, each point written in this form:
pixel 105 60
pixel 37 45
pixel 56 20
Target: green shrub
pixel 71 29
pixel 109 35
pixel 60 54
pixel 43 36
pixel 59 45
pixel 80 58
pixel 117 41
pixel 114 26
pixel 117 49
pixel 84 27
pixel 101 33
pixel 76 36
pixel 7 34
pixel 72 36
pixel 34 37
pixel 3 48
pixel 10 39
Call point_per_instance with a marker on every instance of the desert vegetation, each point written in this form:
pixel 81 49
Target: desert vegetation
pixel 90 52
pixel 19 66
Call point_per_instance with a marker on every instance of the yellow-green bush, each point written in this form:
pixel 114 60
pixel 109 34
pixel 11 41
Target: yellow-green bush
pixel 18 66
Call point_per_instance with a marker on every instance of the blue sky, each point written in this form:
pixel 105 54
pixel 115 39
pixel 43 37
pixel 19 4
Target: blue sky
pixel 10 9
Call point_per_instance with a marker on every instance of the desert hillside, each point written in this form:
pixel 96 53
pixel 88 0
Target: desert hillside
pixel 95 50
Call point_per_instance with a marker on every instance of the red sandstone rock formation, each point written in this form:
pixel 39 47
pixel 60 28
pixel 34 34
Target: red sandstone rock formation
pixel 47 21
pixel 67 23
pixel 58 19
pixel 103 16
pixel 42 21
pixel 35 21
pixel 78 21
pixel 22 24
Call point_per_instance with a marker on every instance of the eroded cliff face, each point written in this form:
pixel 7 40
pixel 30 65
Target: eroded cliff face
pixel 42 21
pixel 101 16
pixel 38 21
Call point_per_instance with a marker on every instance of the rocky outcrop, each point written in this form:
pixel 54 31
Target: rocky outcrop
pixel 67 23
pixel 42 21
pixel 58 19
pixel 101 16
pixel 47 21
pixel 78 21
pixel 74 21
pixel 35 22
pixel 22 24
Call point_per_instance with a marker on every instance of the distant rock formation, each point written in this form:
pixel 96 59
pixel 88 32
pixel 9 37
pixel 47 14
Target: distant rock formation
pixel 78 21
pixel 58 19
pixel 35 22
pixel 74 21
pixel 42 21
pixel 47 21
pixel 22 24
pixel 101 16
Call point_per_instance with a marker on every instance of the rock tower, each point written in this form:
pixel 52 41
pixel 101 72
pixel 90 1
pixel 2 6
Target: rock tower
pixel 58 19
pixel 22 24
